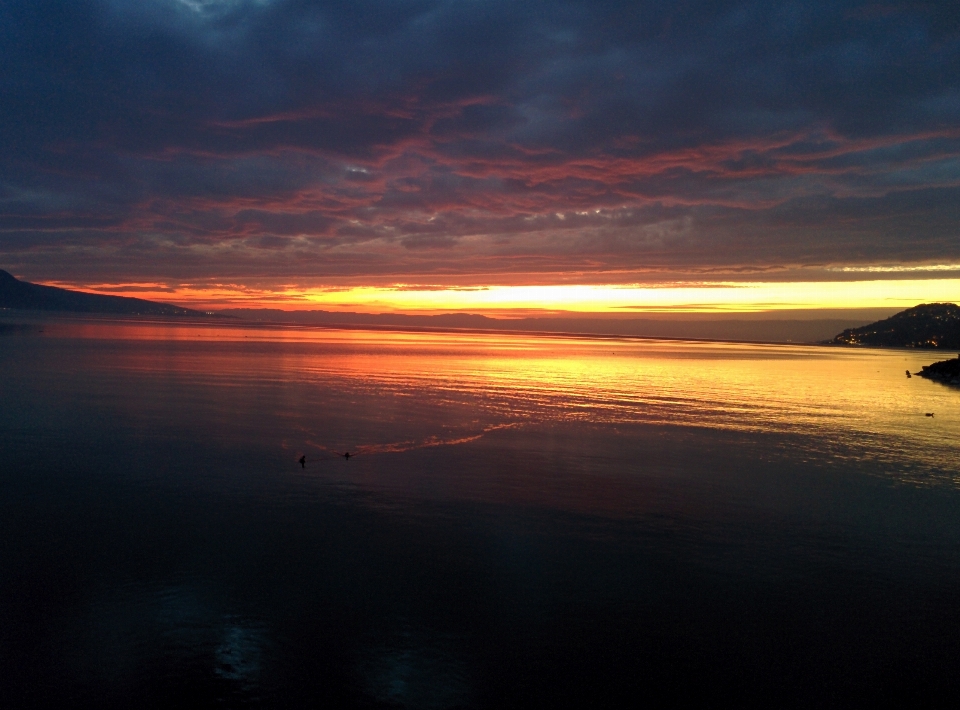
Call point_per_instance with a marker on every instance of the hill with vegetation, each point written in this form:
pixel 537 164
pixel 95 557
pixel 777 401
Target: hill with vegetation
pixel 23 295
pixel 947 371
pixel 929 325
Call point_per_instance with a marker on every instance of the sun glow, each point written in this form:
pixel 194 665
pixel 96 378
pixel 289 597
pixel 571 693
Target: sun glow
pixel 704 297
pixel 707 297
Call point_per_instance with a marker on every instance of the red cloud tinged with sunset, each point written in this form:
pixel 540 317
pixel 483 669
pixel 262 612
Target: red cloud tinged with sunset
pixel 372 143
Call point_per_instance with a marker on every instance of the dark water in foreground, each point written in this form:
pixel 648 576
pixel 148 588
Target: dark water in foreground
pixel 527 521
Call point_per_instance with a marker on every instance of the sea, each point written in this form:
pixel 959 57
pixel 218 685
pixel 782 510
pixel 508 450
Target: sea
pixel 523 520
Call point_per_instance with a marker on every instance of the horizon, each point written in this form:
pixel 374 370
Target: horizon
pixel 784 325
pixel 798 326
pixel 851 299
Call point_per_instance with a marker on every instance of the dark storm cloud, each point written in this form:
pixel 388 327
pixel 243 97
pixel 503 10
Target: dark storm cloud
pixel 397 138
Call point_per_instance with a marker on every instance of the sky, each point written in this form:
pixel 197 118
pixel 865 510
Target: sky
pixel 421 155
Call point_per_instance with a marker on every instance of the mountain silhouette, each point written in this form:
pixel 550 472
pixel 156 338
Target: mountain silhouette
pixel 929 325
pixel 23 295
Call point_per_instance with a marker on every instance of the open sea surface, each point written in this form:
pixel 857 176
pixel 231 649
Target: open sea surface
pixel 524 521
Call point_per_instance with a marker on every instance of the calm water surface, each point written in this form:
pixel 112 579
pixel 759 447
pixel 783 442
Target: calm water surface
pixel 526 521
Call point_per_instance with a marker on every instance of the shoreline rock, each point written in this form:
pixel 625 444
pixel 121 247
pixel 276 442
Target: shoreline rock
pixel 945 371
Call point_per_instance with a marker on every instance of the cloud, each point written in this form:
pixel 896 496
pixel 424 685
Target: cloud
pixel 408 138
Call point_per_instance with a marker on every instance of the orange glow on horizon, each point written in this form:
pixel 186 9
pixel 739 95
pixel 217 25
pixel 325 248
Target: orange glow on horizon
pixel 509 301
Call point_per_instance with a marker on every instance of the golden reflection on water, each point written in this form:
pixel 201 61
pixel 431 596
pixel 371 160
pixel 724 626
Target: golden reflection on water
pixel 859 398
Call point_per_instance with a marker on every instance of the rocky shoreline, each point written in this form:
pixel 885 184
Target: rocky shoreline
pixel 945 371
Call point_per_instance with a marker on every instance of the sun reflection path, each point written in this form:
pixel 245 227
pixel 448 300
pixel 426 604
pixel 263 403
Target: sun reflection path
pixel 841 399
pixel 386 393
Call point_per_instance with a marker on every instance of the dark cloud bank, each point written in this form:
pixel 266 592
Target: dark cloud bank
pixel 474 141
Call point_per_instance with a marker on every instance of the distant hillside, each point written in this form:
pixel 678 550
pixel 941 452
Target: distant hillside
pixel 756 330
pixel 23 295
pixel 930 325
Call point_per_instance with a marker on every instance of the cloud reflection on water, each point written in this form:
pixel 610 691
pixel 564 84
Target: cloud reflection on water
pixel 390 392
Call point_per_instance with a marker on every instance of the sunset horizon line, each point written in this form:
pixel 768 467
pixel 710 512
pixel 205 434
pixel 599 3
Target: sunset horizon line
pixel 677 298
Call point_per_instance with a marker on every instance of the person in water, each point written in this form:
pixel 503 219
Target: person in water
pixel 303 461
pixel 346 455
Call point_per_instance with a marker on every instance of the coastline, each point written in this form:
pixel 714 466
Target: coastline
pixel 25 317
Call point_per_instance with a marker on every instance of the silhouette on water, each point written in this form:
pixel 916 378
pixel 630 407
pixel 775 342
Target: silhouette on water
pixel 336 454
